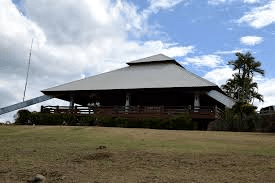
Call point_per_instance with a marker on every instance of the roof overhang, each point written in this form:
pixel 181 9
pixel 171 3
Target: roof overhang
pixel 225 100
pixel 66 95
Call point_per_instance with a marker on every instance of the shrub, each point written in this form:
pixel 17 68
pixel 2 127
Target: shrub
pixel 183 122
pixel 265 123
pixel 180 122
pixel 87 120
pixel 249 123
pixel 23 117
pixel 243 108
pixel 26 117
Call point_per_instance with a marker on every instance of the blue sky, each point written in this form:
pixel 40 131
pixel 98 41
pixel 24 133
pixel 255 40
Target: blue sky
pixel 77 39
pixel 213 28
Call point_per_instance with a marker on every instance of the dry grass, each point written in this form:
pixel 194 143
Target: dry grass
pixel 71 154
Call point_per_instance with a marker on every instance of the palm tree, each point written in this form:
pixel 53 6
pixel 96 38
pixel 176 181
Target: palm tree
pixel 242 87
pixel 232 87
pixel 237 64
pixel 246 64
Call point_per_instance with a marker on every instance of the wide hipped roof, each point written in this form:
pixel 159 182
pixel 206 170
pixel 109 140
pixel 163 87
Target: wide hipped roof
pixel 150 72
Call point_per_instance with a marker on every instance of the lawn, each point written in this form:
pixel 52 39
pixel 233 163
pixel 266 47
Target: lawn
pixel 72 154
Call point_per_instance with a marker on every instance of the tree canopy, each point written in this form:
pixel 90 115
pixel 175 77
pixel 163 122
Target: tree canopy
pixel 242 86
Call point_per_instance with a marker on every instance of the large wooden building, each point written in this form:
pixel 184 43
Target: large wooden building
pixel 156 86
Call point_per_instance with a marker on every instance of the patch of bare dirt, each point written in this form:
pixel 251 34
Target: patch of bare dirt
pixel 143 166
pixel 93 156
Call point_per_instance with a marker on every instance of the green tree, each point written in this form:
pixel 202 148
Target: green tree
pixel 242 86
pixel 23 117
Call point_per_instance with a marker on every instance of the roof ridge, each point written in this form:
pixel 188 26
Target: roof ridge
pixel 152 58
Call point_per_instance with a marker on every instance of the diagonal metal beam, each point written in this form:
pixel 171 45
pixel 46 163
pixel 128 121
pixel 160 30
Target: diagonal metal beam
pixel 24 104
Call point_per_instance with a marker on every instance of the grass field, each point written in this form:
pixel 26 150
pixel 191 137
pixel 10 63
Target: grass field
pixel 71 154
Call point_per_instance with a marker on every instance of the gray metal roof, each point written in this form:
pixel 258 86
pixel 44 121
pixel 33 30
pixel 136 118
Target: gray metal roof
pixel 227 101
pixel 154 58
pixel 139 76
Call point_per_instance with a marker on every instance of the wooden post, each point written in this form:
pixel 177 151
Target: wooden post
pixel 75 110
pixel 196 102
pixel 71 102
pixel 216 111
pixel 127 102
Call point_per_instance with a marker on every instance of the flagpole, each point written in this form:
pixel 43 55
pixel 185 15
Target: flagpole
pixel 28 71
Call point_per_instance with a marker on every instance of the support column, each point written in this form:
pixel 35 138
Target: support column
pixel 127 102
pixel 216 112
pixel 196 102
pixel 71 102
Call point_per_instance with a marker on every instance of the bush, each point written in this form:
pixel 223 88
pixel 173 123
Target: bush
pixel 87 120
pixel 182 122
pixel 265 123
pixel 243 108
pixel 250 123
pixel 23 117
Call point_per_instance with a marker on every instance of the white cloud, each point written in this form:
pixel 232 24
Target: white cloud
pixel 205 60
pixel 163 4
pixel 251 1
pixel 137 22
pixel 266 88
pixel 171 50
pixel 219 75
pixel 251 40
pixel 231 51
pixel 72 39
pixel 218 2
pixel 260 17
pixel 157 5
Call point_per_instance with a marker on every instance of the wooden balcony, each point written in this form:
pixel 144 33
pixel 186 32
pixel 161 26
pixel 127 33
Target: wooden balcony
pixel 203 112
pixel 77 110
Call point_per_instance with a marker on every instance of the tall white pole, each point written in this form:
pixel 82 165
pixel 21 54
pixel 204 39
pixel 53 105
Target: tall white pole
pixel 28 71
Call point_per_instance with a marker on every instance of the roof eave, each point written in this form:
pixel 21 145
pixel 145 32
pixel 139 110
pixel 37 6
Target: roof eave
pixel 162 61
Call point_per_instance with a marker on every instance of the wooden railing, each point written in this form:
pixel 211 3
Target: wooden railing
pixel 141 111
pixel 202 112
pixel 76 110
